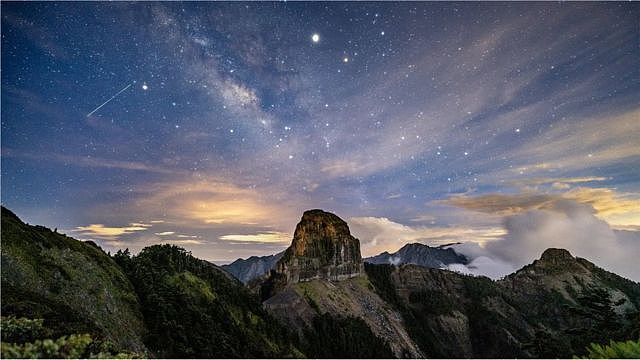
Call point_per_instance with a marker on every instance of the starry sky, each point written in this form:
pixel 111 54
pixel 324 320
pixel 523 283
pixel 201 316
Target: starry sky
pixel 510 127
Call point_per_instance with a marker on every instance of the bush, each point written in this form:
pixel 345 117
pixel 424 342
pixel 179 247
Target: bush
pixel 73 346
pixel 21 330
pixel 615 350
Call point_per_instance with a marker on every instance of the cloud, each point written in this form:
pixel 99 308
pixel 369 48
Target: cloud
pixel 484 266
pixel 599 140
pixel 106 232
pixel 381 234
pixel 572 226
pixel 87 161
pixel 534 223
pixel 619 209
pixel 266 237
pixel 183 242
pixel 500 204
pixel 164 233
pixel 563 180
pixel 206 202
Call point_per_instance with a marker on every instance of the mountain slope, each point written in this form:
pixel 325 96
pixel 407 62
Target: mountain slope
pixel 194 309
pixel 552 308
pixel 317 302
pixel 301 305
pixel 162 302
pixel 320 281
pixel 74 286
pixel 420 254
pixel 253 267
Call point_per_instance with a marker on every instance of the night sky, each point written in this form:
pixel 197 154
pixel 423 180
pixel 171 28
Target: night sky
pixel 513 126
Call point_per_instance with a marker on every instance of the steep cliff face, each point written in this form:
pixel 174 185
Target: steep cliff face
pixel 319 289
pixel 322 248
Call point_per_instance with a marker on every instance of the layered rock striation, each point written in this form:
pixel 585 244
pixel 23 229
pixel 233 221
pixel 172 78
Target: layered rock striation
pixel 322 248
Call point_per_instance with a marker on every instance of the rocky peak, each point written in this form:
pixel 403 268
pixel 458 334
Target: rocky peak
pixel 556 256
pixel 554 266
pixel 322 248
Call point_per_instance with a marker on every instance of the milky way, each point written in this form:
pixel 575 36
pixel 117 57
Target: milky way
pixel 430 122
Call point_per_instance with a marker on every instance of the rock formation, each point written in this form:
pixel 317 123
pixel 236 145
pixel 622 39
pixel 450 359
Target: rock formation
pixel 322 248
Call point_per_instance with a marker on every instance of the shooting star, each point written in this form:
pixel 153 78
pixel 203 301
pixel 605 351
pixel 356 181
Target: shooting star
pixel 111 98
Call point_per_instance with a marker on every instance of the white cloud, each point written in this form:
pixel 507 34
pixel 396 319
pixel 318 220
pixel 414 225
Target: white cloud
pixel 563 224
pixel 109 232
pixel 381 234
pixel 572 226
pixel 265 237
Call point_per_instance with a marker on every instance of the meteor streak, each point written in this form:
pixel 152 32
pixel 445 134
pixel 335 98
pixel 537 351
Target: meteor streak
pixel 111 98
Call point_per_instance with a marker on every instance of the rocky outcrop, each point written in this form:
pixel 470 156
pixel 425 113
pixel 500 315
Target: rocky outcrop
pixel 322 248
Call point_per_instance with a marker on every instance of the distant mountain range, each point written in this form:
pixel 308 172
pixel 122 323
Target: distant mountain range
pixel 319 301
pixel 253 267
pixel 420 254
pixel 439 257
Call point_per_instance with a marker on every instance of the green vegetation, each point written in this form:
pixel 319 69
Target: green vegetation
pixel 599 322
pixel 72 346
pixel 67 298
pixel 348 338
pixel 21 329
pixel 193 309
pixel 415 317
pixel 27 338
pixel 72 286
pixel 615 350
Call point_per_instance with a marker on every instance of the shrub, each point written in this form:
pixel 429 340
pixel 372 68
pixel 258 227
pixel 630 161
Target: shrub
pixel 73 346
pixel 21 330
pixel 615 350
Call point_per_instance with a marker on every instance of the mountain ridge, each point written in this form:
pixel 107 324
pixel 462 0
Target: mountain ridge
pixel 554 307
pixel 420 254
pixel 252 267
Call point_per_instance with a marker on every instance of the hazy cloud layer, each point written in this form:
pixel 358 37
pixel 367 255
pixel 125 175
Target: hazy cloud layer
pixel 561 223
pixel 381 234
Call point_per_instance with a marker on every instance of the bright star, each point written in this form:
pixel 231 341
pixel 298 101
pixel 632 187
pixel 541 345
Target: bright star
pixel 315 38
pixel 346 59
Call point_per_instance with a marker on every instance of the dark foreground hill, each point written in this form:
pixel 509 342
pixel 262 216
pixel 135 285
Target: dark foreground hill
pixel 320 301
pixel 162 302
